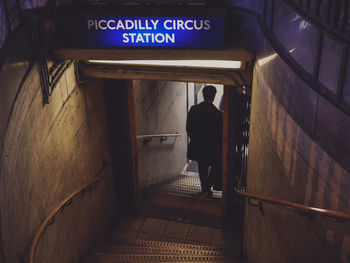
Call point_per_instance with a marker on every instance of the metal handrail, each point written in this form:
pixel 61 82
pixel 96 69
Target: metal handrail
pixel 163 137
pixel 302 209
pixel 139 137
pixel 49 220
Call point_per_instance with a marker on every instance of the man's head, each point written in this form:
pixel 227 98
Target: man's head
pixel 209 93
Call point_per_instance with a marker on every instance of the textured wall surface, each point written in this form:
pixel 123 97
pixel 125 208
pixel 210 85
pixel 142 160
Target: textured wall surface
pixel 49 151
pixel 285 163
pixel 160 107
pixel 299 151
pixel 12 71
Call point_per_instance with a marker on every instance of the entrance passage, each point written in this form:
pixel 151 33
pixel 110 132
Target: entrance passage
pixel 169 184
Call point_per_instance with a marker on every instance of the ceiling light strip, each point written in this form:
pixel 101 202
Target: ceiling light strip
pixel 220 64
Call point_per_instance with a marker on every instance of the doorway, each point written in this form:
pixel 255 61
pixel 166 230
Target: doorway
pixel 232 81
pixel 168 184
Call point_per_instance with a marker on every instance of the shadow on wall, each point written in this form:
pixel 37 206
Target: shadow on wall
pixel 160 108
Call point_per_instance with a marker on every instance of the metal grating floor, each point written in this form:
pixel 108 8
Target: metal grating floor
pixel 186 184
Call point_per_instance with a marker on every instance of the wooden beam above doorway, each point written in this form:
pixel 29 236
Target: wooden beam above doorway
pixel 238 54
pixel 225 77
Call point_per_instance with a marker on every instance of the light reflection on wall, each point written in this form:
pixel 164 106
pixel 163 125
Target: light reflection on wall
pixel 267 59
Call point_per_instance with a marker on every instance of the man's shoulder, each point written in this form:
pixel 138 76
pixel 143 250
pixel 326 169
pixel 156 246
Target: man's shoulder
pixel 214 108
pixel 196 107
pixel 205 107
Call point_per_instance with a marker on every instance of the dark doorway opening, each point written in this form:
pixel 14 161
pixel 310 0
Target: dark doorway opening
pixel 168 183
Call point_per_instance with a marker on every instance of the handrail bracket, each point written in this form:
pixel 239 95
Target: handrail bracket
pixel 260 204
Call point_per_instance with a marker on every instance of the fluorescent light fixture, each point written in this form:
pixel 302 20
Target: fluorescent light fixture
pixel 214 64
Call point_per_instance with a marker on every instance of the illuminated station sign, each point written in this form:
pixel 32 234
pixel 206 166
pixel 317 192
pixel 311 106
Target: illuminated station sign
pixel 177 32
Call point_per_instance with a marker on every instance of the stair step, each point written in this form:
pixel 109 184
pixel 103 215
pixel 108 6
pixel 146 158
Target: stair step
pixel 189 194
pixel 167 250
pixel 163 244
pixel 186 184
pixel 136 258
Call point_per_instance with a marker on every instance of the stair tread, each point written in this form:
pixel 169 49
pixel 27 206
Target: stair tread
pixel 191 194
pixel 163 244
pixel 182 185
pixel 160 258
pixel 163 250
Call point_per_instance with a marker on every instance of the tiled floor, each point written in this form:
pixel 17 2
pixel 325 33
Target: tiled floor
pixel 165 230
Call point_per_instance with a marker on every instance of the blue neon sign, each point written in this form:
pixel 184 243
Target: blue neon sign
pixel 190 32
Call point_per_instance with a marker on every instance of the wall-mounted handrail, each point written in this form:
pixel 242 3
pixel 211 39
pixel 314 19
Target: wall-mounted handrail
pixel 65 202
pixel 139 137
pixel 163 137
pixel 302 209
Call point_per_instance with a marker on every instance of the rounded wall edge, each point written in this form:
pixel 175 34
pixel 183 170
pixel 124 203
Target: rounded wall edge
pixel 285 163
pixel 49 151
pixel 298 151
pixel 317 111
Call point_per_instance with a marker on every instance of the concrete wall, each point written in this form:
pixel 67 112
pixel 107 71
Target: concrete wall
pixel 299 145
pixel 12 72
pixel 160 107
pixel 49 150
pixel 285 163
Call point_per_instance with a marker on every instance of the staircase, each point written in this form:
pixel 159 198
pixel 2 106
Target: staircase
pixel 180 198
pixel 149 239
pixel 175 224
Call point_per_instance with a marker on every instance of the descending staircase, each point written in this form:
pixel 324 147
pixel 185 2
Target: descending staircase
pixel 174 224
pixel 180 198
pixel 137 250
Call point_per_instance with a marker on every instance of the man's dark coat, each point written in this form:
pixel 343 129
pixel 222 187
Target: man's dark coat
pixel 204 127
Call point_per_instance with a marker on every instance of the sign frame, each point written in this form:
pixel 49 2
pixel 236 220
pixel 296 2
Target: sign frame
pixel 67 20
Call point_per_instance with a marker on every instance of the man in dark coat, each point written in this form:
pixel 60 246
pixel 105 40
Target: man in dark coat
pixel 204 127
